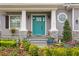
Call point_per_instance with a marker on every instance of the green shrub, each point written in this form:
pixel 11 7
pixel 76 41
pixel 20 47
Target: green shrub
pixel 59 52
pixel 75 51
pixel 67 32
pixel 72 51
pixel 13 53
pixel 58 45
pixel 45 51
pixel 33 50
pixel 26 44
pixel 41 51
pixel 8 43
pixel 48 52
pixel 2 48
pixel 52 51
pixel 69 51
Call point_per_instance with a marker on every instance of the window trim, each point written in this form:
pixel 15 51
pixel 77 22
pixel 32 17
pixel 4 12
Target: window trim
pixel 73 20
pixel 61 14
pixel 10 19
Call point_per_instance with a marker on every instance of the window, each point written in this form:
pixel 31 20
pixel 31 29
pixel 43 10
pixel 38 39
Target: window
pixel 15 21
pixel 38 18
pixel 76 24
pixel 61 17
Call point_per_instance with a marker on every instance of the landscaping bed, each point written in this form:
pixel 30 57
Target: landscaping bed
pixel 12 52
pixel 9 47
pixel 24 48
pixel 34 51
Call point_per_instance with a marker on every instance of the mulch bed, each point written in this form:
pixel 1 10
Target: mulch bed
pixel 7 51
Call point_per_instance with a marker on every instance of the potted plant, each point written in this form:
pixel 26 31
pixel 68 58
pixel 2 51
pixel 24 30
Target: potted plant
pixel 50 40
pixel 13 31
pixel 29 33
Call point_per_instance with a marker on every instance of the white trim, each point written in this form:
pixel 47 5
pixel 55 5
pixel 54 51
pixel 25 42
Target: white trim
pixel 73 28
pixel 61 14
pixel 10 19
pixel 73 19
pixel 32 4
pixel 45 21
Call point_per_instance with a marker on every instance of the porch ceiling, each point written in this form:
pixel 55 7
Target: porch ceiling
pixel 34 7
pixel 28 7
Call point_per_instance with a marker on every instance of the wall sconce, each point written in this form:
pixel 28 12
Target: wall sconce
pixel 28 16
pixel 76 21
pixel 49 16
pixel 67 6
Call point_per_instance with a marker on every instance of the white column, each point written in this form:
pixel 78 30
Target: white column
pixel 73 19
pixel 23 22
pixel 53 20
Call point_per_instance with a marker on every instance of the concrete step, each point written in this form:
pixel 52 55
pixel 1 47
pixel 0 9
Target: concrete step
pixel 38 37
pixel 42 42
pixel 39 43
pixel 38 40
pixel 34 39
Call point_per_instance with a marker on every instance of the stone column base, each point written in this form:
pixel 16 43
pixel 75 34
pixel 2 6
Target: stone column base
pixel 23 34
pixel 54 34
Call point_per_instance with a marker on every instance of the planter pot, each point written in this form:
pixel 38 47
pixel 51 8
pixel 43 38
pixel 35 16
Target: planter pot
pixel 50 41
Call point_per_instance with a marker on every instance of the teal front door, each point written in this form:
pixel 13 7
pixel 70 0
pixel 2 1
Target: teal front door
pixel 38 25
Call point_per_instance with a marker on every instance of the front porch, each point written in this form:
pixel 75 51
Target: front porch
pixel 38 23
pixel 23 20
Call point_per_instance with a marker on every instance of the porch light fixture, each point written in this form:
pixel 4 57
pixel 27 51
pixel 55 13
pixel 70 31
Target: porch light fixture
pixel 67 6
pixel 49 16
pixel 28 16
pixel 76 21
